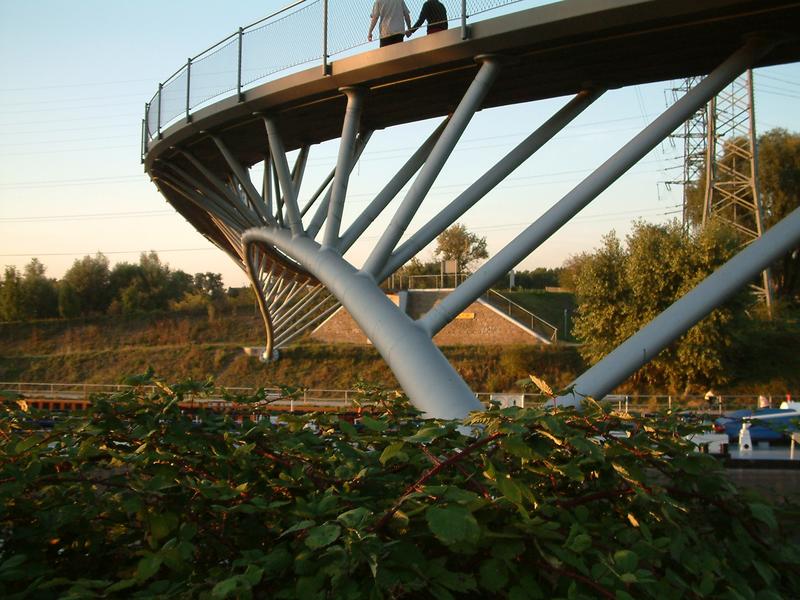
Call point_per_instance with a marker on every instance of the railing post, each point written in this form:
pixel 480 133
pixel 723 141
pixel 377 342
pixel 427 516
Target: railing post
pixel 239 69
pixel 143 149
pixel 464 29
pixel 188 89
pixel 160 88
pixel 326 68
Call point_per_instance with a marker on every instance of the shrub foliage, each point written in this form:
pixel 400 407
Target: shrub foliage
pixel 133 499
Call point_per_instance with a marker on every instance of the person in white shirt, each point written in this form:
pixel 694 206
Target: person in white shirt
pixel 395 20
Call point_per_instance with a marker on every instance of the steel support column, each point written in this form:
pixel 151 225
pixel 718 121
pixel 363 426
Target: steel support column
pixel 470 103
pixel 425 374
pixel 288 191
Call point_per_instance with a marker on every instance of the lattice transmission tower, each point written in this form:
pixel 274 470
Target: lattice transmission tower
pixel 720 151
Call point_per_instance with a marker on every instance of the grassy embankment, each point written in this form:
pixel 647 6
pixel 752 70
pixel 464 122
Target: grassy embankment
pixel 183 345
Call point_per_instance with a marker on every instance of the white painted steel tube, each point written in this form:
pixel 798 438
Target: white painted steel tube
pixel 430 381
pixel 467 199
pixel 352 118
pixel 390 190
pixel 288 190
pixel 686 312
pixel 256 201
pixel 591 187
pixel 470 103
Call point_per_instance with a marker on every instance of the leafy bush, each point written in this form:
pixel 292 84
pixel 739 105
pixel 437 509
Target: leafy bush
pixel 134 499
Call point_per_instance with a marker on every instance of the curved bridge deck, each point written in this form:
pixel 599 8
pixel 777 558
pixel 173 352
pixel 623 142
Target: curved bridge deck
pixel 551 51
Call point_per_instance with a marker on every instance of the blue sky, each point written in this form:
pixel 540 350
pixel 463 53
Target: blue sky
pixel 74 78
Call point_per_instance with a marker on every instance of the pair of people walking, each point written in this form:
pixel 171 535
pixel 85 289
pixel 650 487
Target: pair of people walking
pixel 395 20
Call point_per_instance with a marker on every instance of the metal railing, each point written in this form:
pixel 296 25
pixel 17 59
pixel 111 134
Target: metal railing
pixel 344 399
pixel 303 33
pixel 522 315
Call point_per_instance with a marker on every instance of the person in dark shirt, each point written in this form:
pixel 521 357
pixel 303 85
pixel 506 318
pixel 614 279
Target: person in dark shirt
pixel 435 14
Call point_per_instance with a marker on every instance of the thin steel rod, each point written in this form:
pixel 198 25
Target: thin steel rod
pixel 643 346
pixel 322 210
pixel 469 104
pixel 266 184
pixel 324 315
pixel 220 185
pixel 390 190
pixel 302 322
pixel 208 203
pixel 299 169
pixel 288 191
pixel 253 274
pixel 307 300
pixel 344 162
pixel 469 197
pixel 218 201
pixel 256 201
pixel 591 187
pixel 195 199
pixel 282 297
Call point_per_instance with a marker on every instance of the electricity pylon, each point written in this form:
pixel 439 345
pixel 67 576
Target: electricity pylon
pixel 731 167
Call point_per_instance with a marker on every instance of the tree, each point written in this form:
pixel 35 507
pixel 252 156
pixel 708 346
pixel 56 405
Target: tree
pixel 538 279
pixel 151 285
pixel 209 284
pixel 458 244
pixel 11 295
pixel 779 189
pixel 85 289
pixel 39 294
pixel 621 289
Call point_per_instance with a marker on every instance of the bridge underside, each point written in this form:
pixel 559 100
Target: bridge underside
pixel 572 47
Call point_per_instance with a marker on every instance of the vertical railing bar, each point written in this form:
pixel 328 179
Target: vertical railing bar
pixel 160 88
pixel 326 68
pixel 239 69
pixel 188 89
pixel 464 30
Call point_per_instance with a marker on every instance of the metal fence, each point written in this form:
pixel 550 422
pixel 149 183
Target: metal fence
pixel 301 34
pixel 333 399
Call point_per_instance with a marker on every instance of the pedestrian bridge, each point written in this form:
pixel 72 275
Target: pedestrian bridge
pixel 263 92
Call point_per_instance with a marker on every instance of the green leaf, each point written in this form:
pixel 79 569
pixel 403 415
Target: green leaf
pixel 493 575
pixel 580 543
pixel 323 535
pixel 300 525
pixel 348 429
pixel 374 424
pixel 626 561
pixel 509 488
pixel 764 513
pixel 453 525
pixel 26 443
pixel 391 451
pixel 148 566
pixel 355 518
pixel 253 575
pixel 225 588
pixel 162 524
pixel 426 435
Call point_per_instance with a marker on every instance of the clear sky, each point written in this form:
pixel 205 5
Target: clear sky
pixel 74 78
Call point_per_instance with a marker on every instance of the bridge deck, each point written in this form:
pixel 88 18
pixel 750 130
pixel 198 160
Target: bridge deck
pixel 552 51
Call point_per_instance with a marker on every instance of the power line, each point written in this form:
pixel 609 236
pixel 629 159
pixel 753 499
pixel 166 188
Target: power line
pixel 108 252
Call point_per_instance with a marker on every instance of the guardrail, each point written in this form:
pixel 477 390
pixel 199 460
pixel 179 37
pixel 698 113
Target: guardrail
pixel 303 33
pixel 522 314
pixel 334 399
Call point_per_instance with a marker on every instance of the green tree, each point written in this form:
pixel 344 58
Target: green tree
pixel 39 293
pixel 85 287
pixel 779 189
pixel 11 295
pixel 621 289
pixel 209 284
pixel 150 285
pixel 459 244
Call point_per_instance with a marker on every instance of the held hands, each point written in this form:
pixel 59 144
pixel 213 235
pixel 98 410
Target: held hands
pixel 369 36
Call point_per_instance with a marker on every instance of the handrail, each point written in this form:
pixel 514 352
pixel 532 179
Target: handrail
pixel 345 398
pixel 553 329
pixel 172 104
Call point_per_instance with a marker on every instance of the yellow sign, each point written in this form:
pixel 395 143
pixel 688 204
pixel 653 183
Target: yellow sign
pixel 466 315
